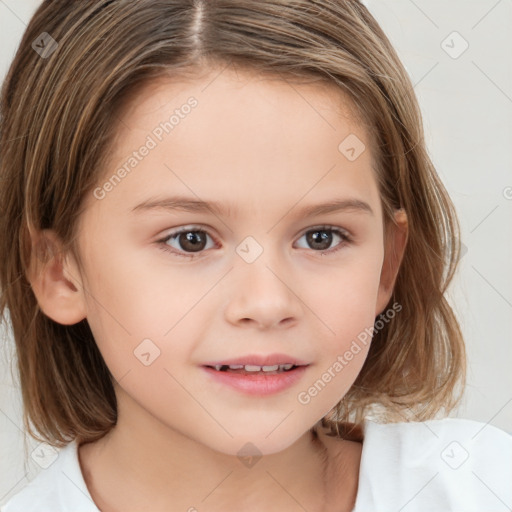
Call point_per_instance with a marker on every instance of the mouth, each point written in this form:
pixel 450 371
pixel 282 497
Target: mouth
pixel 256 380
pixel 255 369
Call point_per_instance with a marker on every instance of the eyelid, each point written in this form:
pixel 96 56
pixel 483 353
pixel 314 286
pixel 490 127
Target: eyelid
pixel 185 229
pixel 206 229
pixel 347 238
pixel 319 227
pixel 161 242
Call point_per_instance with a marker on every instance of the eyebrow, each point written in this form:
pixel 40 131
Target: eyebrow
pixel 198 206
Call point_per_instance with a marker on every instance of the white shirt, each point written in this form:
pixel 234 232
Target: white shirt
pixel 436 466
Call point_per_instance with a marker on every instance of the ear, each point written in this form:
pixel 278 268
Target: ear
pixel 396 240
pixel 55 279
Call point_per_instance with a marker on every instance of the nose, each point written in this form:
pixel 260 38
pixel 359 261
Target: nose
pixel 262 294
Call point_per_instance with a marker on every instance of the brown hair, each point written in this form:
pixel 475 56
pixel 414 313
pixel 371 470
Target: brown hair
pixel 58 120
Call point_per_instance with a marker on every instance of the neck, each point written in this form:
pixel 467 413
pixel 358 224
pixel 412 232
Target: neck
pixel 130 469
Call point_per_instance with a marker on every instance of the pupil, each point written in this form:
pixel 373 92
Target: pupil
pixel 194 238
pixel 325 237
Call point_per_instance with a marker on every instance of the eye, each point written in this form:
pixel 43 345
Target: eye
pixel 188 240
pixel 321 238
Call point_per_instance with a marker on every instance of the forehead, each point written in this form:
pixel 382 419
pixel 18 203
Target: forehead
pixel 227 89
pixel 248 137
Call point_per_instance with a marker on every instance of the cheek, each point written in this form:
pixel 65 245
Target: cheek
pixel 126 290
pixel 345 306
pixel 344 297
pixel 134 309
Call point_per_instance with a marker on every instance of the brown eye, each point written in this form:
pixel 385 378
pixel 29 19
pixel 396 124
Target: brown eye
pixel 321 239
pixel 192 241
pixel 185 242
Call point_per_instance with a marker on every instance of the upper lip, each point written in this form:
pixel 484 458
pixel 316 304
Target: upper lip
pixel 260 360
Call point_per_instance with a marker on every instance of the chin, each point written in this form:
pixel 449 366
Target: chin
pixel 252 443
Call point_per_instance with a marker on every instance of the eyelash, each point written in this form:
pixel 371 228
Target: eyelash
pixel 162 243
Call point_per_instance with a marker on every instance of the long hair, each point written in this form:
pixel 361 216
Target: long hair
pixel 59 110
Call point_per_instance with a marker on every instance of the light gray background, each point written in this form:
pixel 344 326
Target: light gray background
pixel 467 109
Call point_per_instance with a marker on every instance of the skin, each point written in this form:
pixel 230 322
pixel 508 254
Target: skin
pixel 268 149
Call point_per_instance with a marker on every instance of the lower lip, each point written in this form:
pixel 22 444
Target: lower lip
pixel 258 384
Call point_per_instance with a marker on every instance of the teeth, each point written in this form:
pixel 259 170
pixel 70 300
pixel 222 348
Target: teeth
pixel 251 368
pixel 254 368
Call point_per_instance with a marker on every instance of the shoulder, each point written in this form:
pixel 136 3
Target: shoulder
pixel 447 464
pixel 59 488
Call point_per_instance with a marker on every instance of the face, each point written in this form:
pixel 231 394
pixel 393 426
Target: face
pixel 257 273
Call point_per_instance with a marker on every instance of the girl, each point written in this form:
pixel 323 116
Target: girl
pixel 225 257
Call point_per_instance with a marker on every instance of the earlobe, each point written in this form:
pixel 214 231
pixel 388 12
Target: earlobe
pixel 396 241
pixel 55 280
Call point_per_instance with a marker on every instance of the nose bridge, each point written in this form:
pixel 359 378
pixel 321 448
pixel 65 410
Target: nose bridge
pixel 261 264
pixel 262 290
